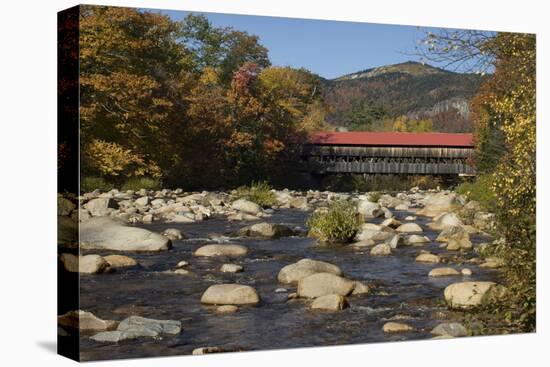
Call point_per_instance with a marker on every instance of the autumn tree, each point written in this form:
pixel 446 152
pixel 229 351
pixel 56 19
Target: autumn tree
pixel 224 49
pixel 131 82
pixel 196 105
pixel 505 131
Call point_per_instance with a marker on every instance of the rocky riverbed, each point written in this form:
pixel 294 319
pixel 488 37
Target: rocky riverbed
pixel 169 272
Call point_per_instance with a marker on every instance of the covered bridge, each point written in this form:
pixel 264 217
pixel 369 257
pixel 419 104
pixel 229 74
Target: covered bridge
pixel 389 153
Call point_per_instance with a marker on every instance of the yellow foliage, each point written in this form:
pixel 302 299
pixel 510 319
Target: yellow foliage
pixel 111 159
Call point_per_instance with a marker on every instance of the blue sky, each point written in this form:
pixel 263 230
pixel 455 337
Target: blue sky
pixel 328 48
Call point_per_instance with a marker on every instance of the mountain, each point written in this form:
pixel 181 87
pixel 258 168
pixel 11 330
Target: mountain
pixel 362 100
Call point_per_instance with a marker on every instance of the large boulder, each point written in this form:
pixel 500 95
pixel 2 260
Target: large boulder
pixel 445 220
pixel 437 204
pixel 246 206
pixel 100 206
pixel 230 294
pixel 136 327
pixel 471 294
pixel 409 228
pixel 264 229
pixel 87 264
pixel 322 284
pixel 221 250
pixel 330 302
pixel 369 209
pixel 85 321
pixel 111 234
pixel 293 273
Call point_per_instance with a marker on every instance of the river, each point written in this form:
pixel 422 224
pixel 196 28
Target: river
pixel 402 290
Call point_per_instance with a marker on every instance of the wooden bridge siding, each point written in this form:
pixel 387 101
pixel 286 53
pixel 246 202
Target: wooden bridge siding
pixel 390 152
pixel 397 168
pixel 347 159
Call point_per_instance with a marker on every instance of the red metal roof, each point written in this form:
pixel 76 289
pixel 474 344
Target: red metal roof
pixel 393 139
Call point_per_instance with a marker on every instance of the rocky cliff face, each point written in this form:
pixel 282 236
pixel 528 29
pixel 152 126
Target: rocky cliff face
pixel 413 89
pixel 459 104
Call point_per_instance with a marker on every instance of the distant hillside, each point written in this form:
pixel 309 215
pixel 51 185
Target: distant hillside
pixel 363 99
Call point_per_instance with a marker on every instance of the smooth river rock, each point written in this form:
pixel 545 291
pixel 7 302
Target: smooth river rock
pixel 173 234
pixel 231 268
pixel 87 264
pixel 230 294
pixel 374 235
pixel 468 294
pixel 455 244
pixel 409 228
pixel 416 240
pixel 120 261
pixel 100 206
pixel 396 241
pixel 492 263
pixel 360 288
pixel 111 234
pixel 246 206
pixel 391 222
pixel 136 326
pixel 445 220
pixel 396 327
pixel 443 272
pixel 449 232
pixel 428 258
pixel 322 284
pixel 293 273
pixel 382 249
pixel 369 209
pixel 85 321
pixel 221 250
pixel 453 329
pixel 264 229
pixel 437 204
pixel 226 309
pixel 330 302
